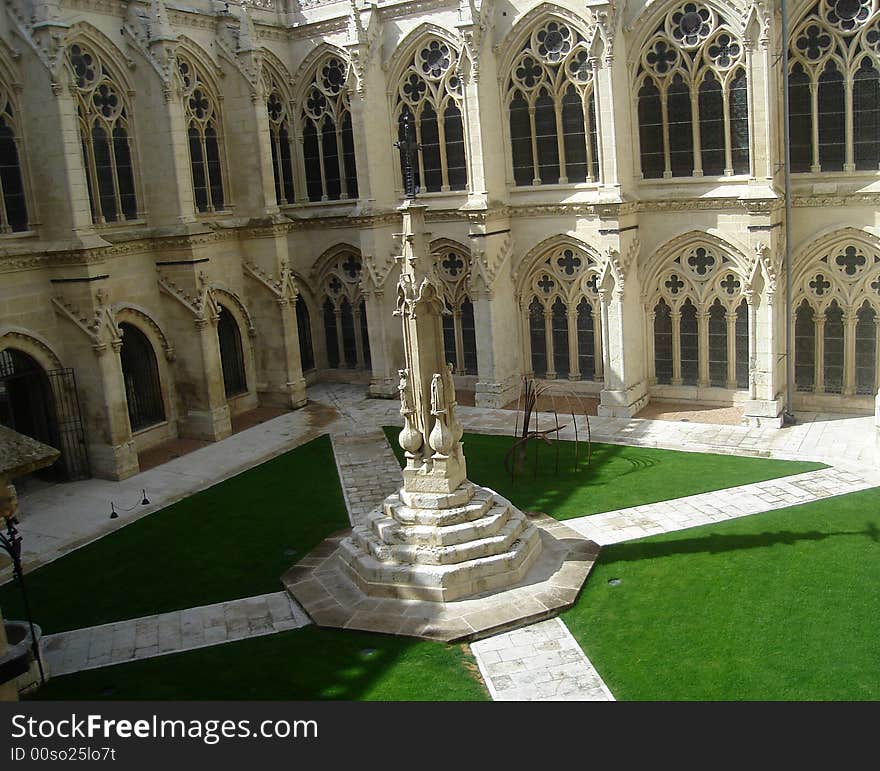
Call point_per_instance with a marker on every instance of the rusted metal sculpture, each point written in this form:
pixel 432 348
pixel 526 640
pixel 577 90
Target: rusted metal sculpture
pixel 528 402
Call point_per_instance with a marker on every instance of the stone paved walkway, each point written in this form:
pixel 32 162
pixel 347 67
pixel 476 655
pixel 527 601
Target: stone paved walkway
pixel 542 662
pixel 705 508
pixel 182 630
pixel 368 470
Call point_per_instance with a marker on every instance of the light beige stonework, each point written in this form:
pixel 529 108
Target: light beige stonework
pixel 68 281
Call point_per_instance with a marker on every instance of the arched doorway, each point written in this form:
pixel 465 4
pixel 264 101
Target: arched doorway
pixel 231 355
pixel 140 372
pixel 27 404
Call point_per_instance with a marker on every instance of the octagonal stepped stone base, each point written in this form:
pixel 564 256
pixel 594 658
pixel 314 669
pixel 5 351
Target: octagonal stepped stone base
pixel 322 583
pixel 479 544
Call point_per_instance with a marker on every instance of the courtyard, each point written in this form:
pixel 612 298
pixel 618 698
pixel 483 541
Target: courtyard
pixel 735 564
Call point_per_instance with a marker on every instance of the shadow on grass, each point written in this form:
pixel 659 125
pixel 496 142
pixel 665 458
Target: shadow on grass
pixel 716 543
pixel 617 476
pixel 231 540
pixel 308 663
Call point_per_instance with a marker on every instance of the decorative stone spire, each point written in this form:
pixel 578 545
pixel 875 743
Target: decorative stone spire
pixel 247 35
pixel 437 465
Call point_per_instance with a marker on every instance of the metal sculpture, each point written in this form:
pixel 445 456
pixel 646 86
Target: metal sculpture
pixel 527 408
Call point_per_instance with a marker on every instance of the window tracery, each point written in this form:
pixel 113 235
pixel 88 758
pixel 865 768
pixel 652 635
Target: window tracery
pixel 281 139
pixel 328 138
pixel 459 328
pixel 562 311
pixel 834 87
pixel 105 135
pixel 837 301
pixel 430 95
pixel 345 315
pixel 205 133
pixel 692 96
pixel 551 109
pixel 13 200
pixel 701 321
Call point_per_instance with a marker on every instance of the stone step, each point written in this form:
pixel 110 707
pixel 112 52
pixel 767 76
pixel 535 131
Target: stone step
pixel 441 583
pixel 449 554
pixel 479 504
pixel 390 531
pixel 458 497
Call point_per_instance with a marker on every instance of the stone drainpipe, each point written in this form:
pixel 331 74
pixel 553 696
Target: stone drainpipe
pixel 19 455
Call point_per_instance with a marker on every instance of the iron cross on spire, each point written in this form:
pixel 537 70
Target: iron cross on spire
pixel 408 146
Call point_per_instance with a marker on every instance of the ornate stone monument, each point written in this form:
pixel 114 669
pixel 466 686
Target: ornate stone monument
pixel 442 557
pixel 440 537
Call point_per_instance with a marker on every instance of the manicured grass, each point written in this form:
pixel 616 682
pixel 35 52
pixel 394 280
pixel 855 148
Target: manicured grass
pixel 308 663
pixel 775 606
pixel 617 476
pixel 226 542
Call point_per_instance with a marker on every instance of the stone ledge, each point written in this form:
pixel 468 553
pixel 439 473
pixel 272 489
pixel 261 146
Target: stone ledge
pixel 322 586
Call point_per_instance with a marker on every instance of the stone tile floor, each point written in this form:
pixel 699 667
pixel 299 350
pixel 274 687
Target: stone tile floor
pixel 182 630
pixel 59 518
pixel 542 662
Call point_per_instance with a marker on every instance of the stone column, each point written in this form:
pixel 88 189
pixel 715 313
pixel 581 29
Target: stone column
pixel 296 384
pixel 702 349
pixel 574 368
pixel 385 345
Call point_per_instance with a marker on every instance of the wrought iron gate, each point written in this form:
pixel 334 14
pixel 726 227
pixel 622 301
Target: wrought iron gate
pixel 71 436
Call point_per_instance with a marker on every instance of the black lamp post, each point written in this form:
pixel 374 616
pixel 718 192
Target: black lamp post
pixel 10 542
pixel 408 146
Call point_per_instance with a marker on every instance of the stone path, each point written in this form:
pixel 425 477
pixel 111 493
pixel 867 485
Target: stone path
pixel 542 662
pixel 705 508
pixel 182 630
pixel 368 470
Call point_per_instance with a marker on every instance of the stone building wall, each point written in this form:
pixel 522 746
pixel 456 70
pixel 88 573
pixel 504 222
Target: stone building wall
pixel 620 240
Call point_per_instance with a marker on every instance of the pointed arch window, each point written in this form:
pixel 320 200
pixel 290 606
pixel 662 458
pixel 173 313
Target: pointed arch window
pixel 328 138
pixel 563 311
pixel 13 201
pixel 140 373
pixel 692 97
pixel 834 52
pixel 701 297
pixel 663 342
pixel 345 314
pixel 429 95
pixel 105 134
pixel 281 139
pixel 804 347
pixel 459 327
pixel 866 350
pixel 551 109
pixel 204 129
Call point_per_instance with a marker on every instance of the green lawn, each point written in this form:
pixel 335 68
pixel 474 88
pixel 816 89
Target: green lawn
pixel 617 477
pixel 776 606
pixel 229 541
pixel 308 663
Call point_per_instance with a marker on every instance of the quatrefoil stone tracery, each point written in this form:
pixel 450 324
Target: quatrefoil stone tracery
pixel 452 264
pixel 701 262
pixel 730 284
pixel 546 284
pixel 850 261
pixel 569 262
pixel 820 285
pixel 674 284
pixel 352 266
